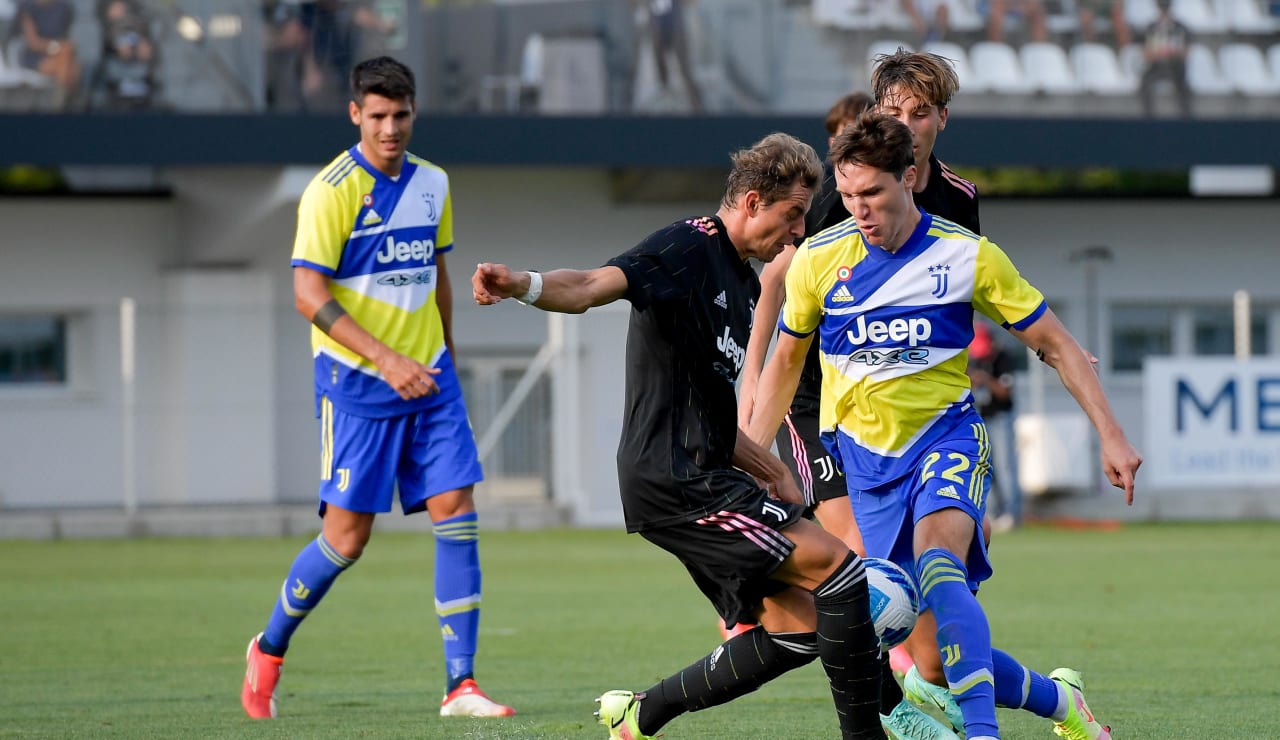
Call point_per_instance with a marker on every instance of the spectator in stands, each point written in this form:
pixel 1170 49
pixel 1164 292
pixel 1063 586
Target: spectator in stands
pixel 1164 50
pixel 126 72
pixel 667 34
pixel 288 57
pixel 45 27
pixel 930 18
pixel 990 373
pixel 1089 11
pixel 1029 13
pixel 334 28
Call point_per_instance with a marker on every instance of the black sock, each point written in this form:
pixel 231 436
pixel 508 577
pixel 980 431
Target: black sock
pixel 741 665
pixel 890 691
pixel 452 682
pixel 849 649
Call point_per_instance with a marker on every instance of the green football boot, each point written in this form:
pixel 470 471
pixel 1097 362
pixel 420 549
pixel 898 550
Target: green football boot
pixel 618 711
pixel 1080 723
pixel 926 694
pixel 907 722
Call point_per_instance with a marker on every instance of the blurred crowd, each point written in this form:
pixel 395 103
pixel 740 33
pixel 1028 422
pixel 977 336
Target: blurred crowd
pixel 40 51
pixel 47 51
pixel 670 56
pixel 310 46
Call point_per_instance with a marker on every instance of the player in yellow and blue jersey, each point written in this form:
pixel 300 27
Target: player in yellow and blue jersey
pixel 891 296
pixel 369 272
pixel 916 88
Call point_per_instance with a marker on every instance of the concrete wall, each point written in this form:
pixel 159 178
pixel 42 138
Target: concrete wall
pixel 223 404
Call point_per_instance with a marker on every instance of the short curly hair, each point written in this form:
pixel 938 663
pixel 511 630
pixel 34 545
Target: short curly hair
pixel 771 167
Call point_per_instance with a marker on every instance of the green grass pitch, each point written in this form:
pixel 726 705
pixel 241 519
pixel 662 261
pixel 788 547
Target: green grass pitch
pixel 1174 627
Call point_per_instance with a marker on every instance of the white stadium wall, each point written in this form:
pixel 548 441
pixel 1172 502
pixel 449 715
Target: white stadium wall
pixel 223 403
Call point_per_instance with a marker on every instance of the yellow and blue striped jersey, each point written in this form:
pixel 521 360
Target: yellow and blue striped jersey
pixel 376 238
pixel 894 330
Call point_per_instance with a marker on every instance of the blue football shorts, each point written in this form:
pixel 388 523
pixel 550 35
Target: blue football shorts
pixel 953 473
pixel 424 454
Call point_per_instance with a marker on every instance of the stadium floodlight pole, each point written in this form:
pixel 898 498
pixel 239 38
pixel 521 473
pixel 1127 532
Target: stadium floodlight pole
pixel 128 382
pixel 1092 257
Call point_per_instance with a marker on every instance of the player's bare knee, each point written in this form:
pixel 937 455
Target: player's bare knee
pixel 350 544
pixel 449 504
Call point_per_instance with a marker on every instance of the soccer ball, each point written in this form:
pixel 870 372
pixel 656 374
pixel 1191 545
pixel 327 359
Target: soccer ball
pixel 895 600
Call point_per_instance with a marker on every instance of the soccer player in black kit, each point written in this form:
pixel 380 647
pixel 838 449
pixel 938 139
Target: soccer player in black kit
pixel 694 484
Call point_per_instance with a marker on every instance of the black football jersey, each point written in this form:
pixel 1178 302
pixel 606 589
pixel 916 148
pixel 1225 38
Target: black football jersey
pixel 692 299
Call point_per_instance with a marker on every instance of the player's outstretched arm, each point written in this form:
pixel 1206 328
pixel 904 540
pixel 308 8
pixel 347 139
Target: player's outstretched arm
pixel 563 291
pixel 409 378
pixel 773 283
pixel 777 386
pixel 1059 350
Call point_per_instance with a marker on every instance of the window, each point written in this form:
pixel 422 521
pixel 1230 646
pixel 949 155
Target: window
pixel 1214 330
pixel 524 447
pixel 1183 330
pixel 33 349
pixel 1139 331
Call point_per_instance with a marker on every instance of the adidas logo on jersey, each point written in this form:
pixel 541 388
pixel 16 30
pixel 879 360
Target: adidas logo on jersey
pixel 948 492
pixel 722 300
pixel 371 218
pixel 842 295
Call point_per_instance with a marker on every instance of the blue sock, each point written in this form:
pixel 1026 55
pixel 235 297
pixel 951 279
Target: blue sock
pixel 458 593
pixel 313 572
pixel 1019 688
pixel 964 638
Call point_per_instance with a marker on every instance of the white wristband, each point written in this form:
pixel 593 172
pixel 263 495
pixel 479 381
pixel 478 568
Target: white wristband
pixel 535 289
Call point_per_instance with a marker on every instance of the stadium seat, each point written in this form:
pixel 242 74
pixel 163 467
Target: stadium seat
pixel 964 16
pixel 1246 68
pixel 891 16
pixel 850 15
pixel 1061 19
pixel 959 59
pixel 1198 16
pixel 13 74
pixel 858 15
pixel 1140 13
pixel 996 68
pixel 1047 68
pixel 1204 75
pixel 1099 71
pixel 1131 61
pixel 1246 17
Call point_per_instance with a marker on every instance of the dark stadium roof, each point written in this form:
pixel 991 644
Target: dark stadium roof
pixel 186 139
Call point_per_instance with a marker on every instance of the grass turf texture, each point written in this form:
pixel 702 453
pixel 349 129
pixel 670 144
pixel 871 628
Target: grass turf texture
pixel 1172 625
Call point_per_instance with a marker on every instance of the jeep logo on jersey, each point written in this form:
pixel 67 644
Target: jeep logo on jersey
pixel 911 331
pixel 416 250
pixel 401 279
pixel 730 348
